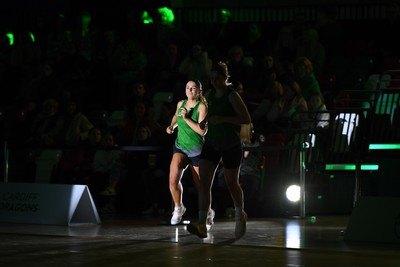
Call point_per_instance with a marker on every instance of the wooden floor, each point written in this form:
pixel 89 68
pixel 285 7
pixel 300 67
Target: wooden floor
pixel 123 240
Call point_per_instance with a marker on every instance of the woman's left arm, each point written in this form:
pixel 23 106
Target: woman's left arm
pixel 197 126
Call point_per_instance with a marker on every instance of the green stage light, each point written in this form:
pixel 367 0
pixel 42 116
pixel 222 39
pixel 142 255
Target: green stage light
pixel 32 37
pixel 351 167
pixel 383 146
pixel 10 38
pixel 146 19
pixel 167 15
pixel 225 12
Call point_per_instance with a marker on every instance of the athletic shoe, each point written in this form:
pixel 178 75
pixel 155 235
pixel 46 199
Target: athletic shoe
pixel 197 229
pixel 210 219
pixel 240 227
pixel 177 215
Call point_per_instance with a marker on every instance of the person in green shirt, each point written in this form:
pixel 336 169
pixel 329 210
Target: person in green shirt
pixel 189 118
pixel 305 77
pixel 223 145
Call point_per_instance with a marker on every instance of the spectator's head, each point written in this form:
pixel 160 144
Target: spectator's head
pixel 235 54
pixel 143 133
pixel 107 140
pixel 316 101
pixel 302 67
pixel 50 106
pixel 94 136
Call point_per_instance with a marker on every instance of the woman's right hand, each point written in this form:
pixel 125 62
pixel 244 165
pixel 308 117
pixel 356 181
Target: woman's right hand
pixel 170 130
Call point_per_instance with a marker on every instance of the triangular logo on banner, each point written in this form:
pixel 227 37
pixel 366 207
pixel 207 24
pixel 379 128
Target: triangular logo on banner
pixel 61 204
pixel 85 211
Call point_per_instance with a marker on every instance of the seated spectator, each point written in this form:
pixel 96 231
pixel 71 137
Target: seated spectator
pixel 72 128
pixel 108 160
pixel 154 175
pixel 310 47
pixel 196 65
pixel 317 108
pixel 138 92
pixel 240 68
pixel 284 48
pixel 167 110
pixel 136 114
pixel 142 136
pixel 260 114
pixel 265 73
pixel 254 41
pixel 164 68
pixel 76 165
pixel 290 110
pixel 44 123
pixel 319 121
pixel 304 76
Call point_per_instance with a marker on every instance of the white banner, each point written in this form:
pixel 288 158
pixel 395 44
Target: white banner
pixel 47 204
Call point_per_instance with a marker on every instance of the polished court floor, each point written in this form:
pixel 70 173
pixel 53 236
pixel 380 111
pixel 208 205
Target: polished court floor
pixel 124 240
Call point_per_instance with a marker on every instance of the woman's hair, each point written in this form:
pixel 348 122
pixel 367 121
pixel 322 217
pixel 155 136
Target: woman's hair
pixel 305 62
pixel 50 101
pixel 202 99
pixel 222 69
pixel 198 84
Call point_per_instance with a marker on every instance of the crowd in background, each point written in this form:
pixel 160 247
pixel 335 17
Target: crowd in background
pixel 64 79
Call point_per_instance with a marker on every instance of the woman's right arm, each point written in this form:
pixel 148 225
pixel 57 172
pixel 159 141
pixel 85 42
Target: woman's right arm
pixel 174 122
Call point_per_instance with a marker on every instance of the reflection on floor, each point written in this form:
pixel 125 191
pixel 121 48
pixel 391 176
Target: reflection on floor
pixel 122 240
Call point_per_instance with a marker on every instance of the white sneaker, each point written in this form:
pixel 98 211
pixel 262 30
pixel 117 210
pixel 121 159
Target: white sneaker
pixel 210 219
pixel 240 227
pixel 177 215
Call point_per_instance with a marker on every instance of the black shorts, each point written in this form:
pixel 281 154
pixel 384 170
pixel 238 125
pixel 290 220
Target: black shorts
pixel 231 158
pixel 193 160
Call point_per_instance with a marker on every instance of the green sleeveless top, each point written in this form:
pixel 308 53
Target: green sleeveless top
pixel 224 135
pixel 187 139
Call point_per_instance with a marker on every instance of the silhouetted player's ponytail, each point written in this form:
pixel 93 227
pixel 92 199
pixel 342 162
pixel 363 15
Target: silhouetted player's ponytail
pixel 222 69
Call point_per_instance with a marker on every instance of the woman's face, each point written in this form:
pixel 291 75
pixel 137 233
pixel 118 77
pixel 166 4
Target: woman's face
pixel 108 140
pixel 236 56
pixel 301 70
pixel 143 134
pixel 315 102
pixel 217 80
pixel 268 62
pixel 72 107
pixel 192 90
pixel 139 89
pixel 196 51
pixel 95 136
pixel 140 109
pixel 51 108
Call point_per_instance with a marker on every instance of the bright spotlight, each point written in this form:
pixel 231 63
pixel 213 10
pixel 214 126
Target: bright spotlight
pixel 293 193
